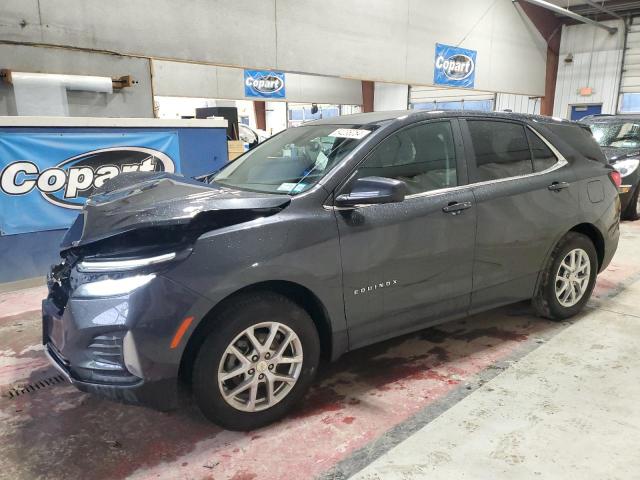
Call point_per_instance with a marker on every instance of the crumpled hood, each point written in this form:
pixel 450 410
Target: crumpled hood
pixel 618 153
pixel 138 199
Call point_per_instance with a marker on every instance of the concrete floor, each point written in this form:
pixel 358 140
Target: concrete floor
pixel 500 395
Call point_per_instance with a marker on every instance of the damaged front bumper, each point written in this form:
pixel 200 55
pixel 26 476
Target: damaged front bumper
pixel 120 347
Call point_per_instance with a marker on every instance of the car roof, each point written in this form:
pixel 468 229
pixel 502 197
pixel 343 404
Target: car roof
pixel 377 118
pixel 611 118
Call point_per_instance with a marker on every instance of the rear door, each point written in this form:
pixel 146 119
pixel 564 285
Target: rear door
pixel 408 264
pixel 526 197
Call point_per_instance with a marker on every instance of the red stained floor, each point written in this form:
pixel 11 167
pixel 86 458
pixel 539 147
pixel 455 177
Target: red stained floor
pixel 59 432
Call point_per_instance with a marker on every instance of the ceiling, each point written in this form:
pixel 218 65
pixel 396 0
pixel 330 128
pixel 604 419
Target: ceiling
pixel 586 8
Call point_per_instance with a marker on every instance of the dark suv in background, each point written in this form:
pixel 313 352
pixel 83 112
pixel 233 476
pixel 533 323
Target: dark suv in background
pixel 619 138
pixel 324 238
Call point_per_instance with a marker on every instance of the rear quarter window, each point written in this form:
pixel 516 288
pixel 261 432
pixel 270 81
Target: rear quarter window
pixel 580 138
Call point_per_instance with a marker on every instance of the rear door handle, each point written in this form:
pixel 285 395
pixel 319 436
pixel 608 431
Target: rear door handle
pixel 455 208
pixel 557 186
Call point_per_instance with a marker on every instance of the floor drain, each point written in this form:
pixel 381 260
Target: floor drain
pixel 20 390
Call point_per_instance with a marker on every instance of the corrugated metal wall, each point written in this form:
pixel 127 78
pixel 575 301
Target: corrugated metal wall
pixel 596 62
pixel 422 94
pixel 502 101
pixel 517 103
pixel 631 72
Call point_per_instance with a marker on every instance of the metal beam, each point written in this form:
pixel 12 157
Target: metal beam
pixel 603 9
pixel 570 14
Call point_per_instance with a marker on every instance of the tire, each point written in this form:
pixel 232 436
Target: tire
pixel 632 212
pixel 546 302
pixel 261 314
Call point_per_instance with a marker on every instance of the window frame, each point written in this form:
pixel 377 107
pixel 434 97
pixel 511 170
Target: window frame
pixel 561 161
pixel 462 174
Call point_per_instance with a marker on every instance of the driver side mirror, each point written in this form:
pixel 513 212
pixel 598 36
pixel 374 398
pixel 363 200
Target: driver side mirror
pixel 371 191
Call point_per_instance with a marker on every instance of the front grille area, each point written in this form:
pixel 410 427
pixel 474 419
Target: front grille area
pixel 106 363
pixel 59 284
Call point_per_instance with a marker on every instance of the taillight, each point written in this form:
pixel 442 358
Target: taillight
pixel 615 177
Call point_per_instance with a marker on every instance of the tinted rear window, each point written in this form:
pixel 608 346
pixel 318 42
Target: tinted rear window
pixel 579 138
pixel 501 149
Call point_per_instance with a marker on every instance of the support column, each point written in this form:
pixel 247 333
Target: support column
pixel 367 96
pixel 260 109
pixel 550 27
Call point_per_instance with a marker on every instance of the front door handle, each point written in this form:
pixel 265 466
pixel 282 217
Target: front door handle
pixel 557 186
pixel 454 208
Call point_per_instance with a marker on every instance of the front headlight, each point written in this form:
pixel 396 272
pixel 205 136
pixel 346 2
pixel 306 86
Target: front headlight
pixel 87 266
pixel 112 287
pixel 626 167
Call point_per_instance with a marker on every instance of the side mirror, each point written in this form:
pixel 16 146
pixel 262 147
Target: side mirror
pixel 373 190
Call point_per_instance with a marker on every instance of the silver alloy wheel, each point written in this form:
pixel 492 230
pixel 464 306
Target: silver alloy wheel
pixel 260 366
pixel 572 278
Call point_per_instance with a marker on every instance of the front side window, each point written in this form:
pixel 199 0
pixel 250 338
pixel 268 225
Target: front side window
pixel 293 161
pixel 423 156
pixel 501 149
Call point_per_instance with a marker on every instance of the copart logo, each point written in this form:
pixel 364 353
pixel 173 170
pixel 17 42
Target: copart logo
pixel 456 67
pixel 267 84
pixel 70 182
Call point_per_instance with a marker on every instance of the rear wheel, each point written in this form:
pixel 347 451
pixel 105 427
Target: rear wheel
pixel 632 212
pixel 568 279
pixel 259 362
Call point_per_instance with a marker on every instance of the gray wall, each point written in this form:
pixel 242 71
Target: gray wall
pixel 383 40
pixel 135 101
pixel 179 79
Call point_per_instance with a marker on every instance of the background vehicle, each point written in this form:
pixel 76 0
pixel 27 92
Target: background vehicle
pixel 252 136
pixel 325 238
pixel 619 137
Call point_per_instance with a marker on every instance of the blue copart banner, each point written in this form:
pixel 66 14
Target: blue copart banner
pixel 264 84
pixel 45 178
pixel 454 66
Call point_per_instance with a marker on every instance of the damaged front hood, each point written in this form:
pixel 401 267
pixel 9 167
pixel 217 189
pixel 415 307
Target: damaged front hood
pixel 138 200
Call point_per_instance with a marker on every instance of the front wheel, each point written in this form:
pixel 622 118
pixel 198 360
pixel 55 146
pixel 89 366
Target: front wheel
pixel 259 362
pixel 568 279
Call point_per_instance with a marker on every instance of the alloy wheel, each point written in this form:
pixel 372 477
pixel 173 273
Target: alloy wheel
pixel 572 278
pixel 260 366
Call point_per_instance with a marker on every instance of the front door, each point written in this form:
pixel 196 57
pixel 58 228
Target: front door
pixel 408 264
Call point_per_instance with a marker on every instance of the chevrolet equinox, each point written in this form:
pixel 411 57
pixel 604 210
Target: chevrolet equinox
pixel 325 238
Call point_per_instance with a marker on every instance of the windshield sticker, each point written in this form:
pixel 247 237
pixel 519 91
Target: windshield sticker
pixel 354 133
pixel 292 187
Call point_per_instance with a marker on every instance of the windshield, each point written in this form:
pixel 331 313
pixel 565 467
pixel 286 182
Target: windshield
pixel 294 160
pixel 620 135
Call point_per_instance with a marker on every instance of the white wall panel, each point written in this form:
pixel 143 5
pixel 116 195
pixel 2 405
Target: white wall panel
pixel 383 40
pixel 597 58
pixel 390 96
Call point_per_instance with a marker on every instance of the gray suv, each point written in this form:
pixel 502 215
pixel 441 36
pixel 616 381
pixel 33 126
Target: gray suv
pixel 325 238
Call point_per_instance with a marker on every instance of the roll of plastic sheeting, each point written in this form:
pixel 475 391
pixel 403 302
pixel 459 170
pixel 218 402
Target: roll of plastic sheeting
pixel 46 94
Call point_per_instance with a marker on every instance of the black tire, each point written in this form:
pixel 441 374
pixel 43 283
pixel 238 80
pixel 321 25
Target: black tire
pixel 545 302
pixel 242 313
pixel 632 212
